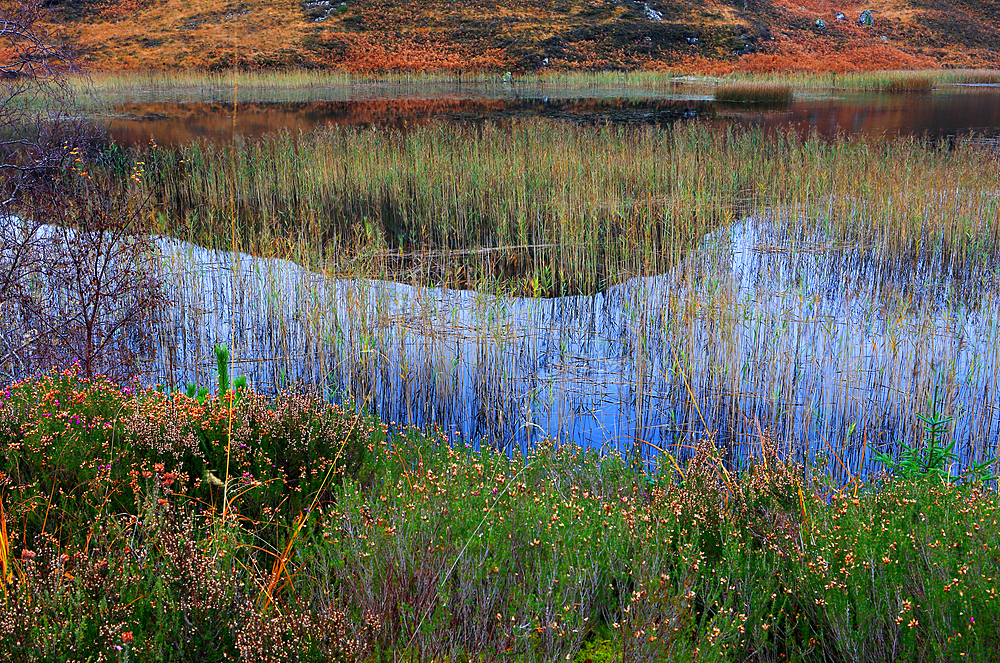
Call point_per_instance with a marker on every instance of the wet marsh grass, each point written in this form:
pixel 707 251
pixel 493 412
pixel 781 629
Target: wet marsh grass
pixel 542 208
pixel 754 93
pixel 426 549
pixel 868 81
pixel 103 89
pixel 441 205
pixel 911 83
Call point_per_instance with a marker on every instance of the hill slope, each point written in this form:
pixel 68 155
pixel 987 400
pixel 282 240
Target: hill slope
pixel 364 35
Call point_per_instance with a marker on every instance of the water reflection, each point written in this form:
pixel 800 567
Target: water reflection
pixel 934 115
pixel 834 347
pixel 177 124
pixel 938 114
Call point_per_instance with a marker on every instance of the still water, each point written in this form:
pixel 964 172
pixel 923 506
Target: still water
pixel 954 111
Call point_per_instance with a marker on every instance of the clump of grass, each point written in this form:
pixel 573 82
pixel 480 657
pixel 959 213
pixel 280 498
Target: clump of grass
pixel 909 83
pixel 977 76
pixel 754 93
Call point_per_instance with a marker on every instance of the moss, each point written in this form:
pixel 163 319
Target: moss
pixel 599 651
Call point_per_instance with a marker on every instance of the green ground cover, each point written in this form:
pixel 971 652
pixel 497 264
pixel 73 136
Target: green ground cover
pixel 142 525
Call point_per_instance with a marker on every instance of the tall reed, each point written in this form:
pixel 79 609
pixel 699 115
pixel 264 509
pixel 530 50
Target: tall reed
pixel 545 208
pixel 754 93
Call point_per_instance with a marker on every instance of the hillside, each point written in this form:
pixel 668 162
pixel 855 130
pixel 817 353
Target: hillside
pixel 520 35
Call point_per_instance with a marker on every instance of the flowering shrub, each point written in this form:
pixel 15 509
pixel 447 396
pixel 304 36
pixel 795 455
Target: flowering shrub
pixel 123 537
pixel 73 446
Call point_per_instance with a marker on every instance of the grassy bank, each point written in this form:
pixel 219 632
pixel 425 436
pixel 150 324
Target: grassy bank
pixel 546 208
pixel 103 88
pixel 332 537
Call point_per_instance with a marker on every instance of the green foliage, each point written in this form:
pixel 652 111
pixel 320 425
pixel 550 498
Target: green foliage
pixel 222 368
pixel 72 448
pixel 342 543
pixel 196 393
pixel 598 651
pixel 935 458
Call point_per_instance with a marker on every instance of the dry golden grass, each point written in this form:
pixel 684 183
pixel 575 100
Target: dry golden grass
pixel 910 83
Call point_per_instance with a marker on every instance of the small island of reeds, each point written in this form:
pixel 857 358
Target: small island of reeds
pixel 747 92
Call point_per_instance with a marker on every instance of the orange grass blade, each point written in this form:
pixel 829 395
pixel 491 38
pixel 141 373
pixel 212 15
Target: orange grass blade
pixel 666 453
pixel 5 561
pixel 279 568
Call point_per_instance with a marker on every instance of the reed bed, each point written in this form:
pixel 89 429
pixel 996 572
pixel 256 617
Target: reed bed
pixel 976 76
pixel 545 208
pixel 860 81
pixel 107 88
pixel 298 78
pixel 866 81
pixel 911 83
pixel 708 282
pixel 753 93
pixel 103 90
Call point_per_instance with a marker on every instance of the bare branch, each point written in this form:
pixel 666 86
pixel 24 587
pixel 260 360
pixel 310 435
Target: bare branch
pixel 78 280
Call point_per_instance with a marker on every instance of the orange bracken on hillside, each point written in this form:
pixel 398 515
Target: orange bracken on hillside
pixel 521 35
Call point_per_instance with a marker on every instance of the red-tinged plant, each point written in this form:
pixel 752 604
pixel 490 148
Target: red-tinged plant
pixel 101 289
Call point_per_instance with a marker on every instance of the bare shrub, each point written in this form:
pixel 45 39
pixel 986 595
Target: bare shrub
pixel 77 283
pixel 99 288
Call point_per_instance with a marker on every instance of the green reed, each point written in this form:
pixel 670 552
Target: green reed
pixel 103 89
pixel 115 82
pixel 545 208
pixel 867 81
pixel 263 85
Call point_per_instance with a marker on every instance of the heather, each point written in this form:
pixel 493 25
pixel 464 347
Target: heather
pixel 140 524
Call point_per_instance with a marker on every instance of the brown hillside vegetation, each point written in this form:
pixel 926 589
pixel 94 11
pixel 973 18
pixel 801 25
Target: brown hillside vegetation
pixel 531 35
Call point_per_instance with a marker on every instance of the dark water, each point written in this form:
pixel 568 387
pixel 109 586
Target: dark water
pixel 936 115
